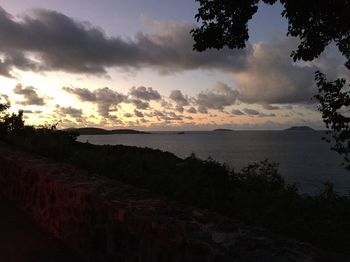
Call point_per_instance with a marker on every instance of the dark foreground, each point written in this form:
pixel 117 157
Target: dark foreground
pixel 257 195
pixel 105 220
pixel 22 240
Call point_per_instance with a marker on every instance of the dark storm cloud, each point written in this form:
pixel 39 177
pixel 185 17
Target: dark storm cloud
pixel 59 42
pixel 29 94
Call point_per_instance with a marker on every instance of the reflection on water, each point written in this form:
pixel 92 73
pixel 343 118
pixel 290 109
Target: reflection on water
pixel 303 158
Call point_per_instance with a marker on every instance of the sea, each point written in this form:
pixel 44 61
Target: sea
pixel 304 158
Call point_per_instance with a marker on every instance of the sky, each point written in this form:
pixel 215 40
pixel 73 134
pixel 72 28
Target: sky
pixel 130 64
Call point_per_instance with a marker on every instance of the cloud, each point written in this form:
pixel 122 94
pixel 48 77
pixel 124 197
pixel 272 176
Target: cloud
pixel 83 94
pixel 4 98
pixel 138 113
pixel 141 105
pixel 237 112
pixel 61 43
pixel 192 110
pixel 155 113
pixel 218 98
pixel 105 98
pixel 32 112
pixel 270 107
pixel 251 112
pixel 271 76
pixel 29 94
pixel 69 111
pixel 267 115
pixel 202 110
pixel 17 59
pixel 166 104
pixel 179 99
pixel 144 93
pixel 128 115
pixel 166 116
pixel 172 116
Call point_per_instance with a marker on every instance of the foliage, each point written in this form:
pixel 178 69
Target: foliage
pixel 10 123
pixel 334 101
pixel 257 195
pixel 315 22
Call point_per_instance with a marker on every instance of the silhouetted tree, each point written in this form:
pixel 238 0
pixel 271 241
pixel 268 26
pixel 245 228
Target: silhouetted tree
pixel 334 103
pixel 317 23
pixel 10 123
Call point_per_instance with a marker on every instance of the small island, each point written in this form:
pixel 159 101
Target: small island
pixel 222 130
pixel 101 131
pixel 299 128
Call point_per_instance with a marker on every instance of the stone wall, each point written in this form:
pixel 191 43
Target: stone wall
pixel 105 220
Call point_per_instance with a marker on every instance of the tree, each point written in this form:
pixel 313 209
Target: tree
pixel 317 23
pixel 333 100
pixel 10 123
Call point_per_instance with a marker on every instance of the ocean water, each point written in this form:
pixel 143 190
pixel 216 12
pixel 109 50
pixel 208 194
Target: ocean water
pixel 304 159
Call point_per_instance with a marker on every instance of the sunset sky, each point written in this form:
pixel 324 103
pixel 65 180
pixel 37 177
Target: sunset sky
pixel 130 64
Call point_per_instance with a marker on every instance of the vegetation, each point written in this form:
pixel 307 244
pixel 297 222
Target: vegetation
pixel 256 195
pixel 100 131
pixel 223 130
pixel 316 23
pixel 334 101
pixel 299 128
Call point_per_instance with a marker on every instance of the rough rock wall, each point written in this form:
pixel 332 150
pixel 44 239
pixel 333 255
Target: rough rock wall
pixel 105 220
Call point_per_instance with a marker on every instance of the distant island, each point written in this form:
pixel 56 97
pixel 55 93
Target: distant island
pixel 299 128
pixel 223 130
pixel 100 131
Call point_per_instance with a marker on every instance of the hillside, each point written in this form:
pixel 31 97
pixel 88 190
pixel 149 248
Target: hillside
pixel 100 131
pixel 223 130
pixel 300 128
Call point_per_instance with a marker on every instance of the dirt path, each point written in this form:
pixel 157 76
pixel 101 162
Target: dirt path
pixel 22 240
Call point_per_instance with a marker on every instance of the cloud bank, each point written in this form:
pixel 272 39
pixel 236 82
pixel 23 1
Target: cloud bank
pixel 47 40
